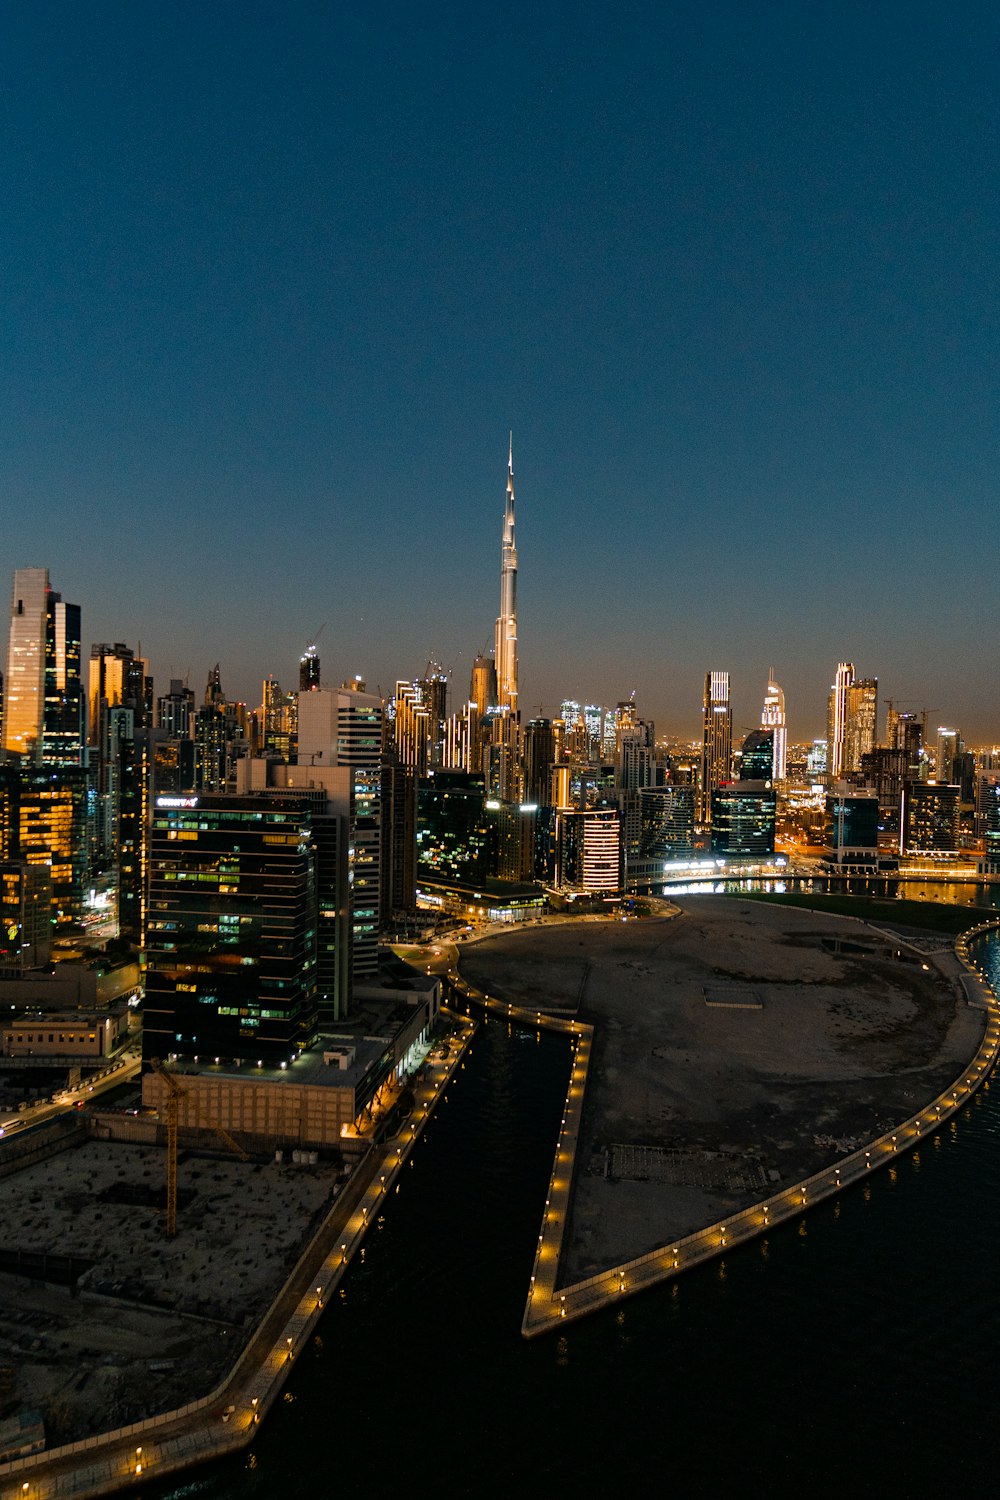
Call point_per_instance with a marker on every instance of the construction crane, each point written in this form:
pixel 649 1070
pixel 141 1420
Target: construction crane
pixel 174 1095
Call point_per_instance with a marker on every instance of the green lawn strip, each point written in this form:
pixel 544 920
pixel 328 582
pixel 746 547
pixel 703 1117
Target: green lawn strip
pixel 937 917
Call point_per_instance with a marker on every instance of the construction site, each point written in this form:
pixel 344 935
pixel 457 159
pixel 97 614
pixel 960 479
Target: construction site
pixel 105 1318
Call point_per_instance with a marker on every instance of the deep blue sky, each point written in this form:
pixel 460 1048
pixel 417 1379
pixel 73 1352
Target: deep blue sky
pixel 277 279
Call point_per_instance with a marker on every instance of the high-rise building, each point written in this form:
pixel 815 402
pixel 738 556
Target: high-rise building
pixel 462 745
pixel 717 739
pixel 930 818
pixel 773 719
pixel 343 729
pixel 949 746
pixel 757 756
pixel 175 710
pixel 411 728
pixel 109 684
pixel 433 688
pixel 483 686
pixel 276 737
pixel 836 720
pixel 861 727
pixel 24 680
pixel 667 823
pixel 309 669
pixel 539 758
pixel 453 832
pixel 588 851
pixel 52 831
pixel 506 629
pixel 231 931
pixel 743 819
pixel 25 917
pixel 852 824
pixel 44 714
pixel 398 854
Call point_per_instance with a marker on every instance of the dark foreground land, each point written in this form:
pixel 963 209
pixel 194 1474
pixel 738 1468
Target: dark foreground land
pixel 739 1046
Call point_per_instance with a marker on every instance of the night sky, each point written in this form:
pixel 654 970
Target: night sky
pixel 278 279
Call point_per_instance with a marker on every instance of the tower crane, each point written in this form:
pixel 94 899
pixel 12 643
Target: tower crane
pixel 175 1093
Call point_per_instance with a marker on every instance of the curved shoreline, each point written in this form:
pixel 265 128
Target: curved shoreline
pixel 226 1419
pixel 548 1305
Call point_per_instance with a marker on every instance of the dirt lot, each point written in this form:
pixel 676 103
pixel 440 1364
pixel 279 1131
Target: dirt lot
pixel 153 1322
pixel 744 1044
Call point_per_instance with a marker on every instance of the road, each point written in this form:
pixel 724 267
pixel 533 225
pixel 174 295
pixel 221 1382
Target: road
pixel 120 1070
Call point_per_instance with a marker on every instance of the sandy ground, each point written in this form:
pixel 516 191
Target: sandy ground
pixel 741 1042
pixel 92 1360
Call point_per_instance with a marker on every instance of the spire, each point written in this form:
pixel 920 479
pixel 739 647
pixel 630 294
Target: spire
pixel 506 628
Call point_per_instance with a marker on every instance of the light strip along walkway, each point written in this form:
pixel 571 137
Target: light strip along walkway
pixel 226 1420
pixel 548 1306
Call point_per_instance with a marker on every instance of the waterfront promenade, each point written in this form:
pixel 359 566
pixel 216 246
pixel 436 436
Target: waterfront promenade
pixel 226 1420
pixel 551 1301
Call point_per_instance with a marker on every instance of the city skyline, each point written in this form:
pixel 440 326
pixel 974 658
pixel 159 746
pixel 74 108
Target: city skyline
pixel 335 672
pixel 727 276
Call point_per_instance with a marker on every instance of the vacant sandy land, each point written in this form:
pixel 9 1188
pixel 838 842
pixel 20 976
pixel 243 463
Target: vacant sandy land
pixel 804 1053
pixel 92 1361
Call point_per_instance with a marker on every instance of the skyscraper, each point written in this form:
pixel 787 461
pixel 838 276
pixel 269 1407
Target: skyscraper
pixel 24 682
pixel 43 698
pixel 506 630
pixel 309 669
pixel 861 727
pixel 773 718
pixel 717 739
pixel 343 730
pixel 836 720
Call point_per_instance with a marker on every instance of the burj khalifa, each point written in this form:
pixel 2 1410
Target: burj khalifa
pixel 506 632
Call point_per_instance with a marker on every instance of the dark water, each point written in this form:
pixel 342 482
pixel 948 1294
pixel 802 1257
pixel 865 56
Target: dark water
pixel 854 1351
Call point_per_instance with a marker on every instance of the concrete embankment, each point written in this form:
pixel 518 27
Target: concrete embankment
pixel 226 1419
pixel 549 1305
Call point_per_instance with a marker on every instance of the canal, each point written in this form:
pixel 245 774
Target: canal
pixel 854 1350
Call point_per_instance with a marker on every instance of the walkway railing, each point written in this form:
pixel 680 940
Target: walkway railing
pixel 549 1304
pixel 227 1418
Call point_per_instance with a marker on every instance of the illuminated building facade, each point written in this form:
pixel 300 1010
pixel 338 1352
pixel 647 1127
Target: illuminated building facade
pixel 743 819
pixel 930 818
pixel 433 689
pixel 175 710
pixel 539 758
pixel 309 669
pixel 773 720
pixel 43 693
pixel 757 756
pixel 24 679
pixel 453 831
pixel 667 816
pixel 52 831
pixel 506 628
pixel 588 851
pixel 25 917
pixel 231 929
pixel 343 729
pixel 717 739
pixel 412 727
pixel 502 758
pixel 861 726
pixel 852 826
pixel 398 856
pixel 836 720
